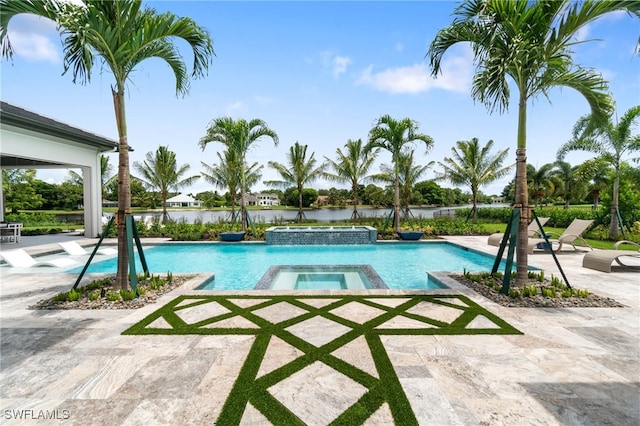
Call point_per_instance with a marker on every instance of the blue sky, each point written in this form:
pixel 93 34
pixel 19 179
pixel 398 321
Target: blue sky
pixel 319 73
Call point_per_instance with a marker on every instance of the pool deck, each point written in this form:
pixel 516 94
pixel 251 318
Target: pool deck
pixel 572 366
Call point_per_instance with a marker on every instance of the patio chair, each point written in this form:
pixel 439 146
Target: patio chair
pixel 74 249
pixel 21 259
pixel 601 260
pixel 532 231
pixel 571 235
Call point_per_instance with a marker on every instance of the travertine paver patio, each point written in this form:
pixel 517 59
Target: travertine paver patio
pixel 571 366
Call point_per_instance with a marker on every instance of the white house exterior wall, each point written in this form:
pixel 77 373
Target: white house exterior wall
pixel 66 154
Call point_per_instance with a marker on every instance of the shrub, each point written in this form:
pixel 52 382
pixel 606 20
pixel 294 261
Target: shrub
pixel 581 293
pixel 549 292
pixel 112 296
pixel 33 219
pixel 61 297
pixel 127 295
pixel 73 295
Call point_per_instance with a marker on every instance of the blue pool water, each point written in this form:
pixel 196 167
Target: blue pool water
pixel 240 266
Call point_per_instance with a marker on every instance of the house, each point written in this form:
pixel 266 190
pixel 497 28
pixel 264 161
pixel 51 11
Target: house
pixel 323 200
pixel 183 200
pixel 263 200
pixel 33 141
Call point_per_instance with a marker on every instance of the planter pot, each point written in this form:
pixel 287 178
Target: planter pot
pixel 410 235
pixel 232 236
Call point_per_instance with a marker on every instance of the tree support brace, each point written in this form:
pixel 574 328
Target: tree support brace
pixel 132 233
pixel 510 239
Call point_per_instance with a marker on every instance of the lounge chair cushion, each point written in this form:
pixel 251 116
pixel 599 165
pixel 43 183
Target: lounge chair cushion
pixel 532 230
pixel 601 260
pixel 21 259
pixel 74 249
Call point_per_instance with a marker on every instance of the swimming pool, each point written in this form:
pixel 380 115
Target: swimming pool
pixel 240 266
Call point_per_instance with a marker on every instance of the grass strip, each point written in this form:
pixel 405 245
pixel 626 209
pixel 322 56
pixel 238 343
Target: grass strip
pixel 386 388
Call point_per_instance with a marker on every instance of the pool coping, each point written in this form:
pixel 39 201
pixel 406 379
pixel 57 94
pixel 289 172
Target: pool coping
pixel 267 280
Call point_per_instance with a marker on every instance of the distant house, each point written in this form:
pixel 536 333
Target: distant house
pixel 496 200
pixel 323 200
pixel 263 200
pixel 183 200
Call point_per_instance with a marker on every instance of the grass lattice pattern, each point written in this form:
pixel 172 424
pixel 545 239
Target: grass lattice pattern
pixel 335 322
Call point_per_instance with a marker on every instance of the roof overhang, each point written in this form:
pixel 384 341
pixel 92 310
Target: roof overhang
pixel 12 115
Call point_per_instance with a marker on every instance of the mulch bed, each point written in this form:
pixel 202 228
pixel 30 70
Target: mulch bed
pixel 538 301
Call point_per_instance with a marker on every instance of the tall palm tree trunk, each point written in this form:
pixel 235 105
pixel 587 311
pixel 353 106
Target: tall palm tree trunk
pixel 300 214
pixel 243 208
pixel 232 196
pixel 396 203
pixel 522 196
pixel 613 230
pixel 165 214
pixel 474 192
pixel 354 215
pixel 124 189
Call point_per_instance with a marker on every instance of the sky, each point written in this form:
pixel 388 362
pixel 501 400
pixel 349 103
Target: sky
pixel 319 73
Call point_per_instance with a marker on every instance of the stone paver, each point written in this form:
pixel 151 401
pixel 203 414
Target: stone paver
pixel 571 366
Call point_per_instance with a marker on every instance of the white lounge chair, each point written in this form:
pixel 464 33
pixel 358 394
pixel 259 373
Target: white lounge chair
pixel 570 235
pixel 21 259
pixel 532 231
pixel 601 260
pixel 74 249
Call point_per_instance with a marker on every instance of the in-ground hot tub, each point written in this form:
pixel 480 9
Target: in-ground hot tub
pixel 320 277
pixel 291 235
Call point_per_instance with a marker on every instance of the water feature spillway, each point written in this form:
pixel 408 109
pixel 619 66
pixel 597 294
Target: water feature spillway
pixel 293 235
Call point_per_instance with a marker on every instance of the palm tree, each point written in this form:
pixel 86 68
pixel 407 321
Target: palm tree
pixel 160 172
pixel 474 166
pixel 529 43
pixel 352 167
pixel 408 175
pixel 610 141
pixel 393 135
pixel 540 181
pixel 299 171
pixel 226 174
pixel 596 171
pixel 122 34
pixel 238 136
pixel 570 182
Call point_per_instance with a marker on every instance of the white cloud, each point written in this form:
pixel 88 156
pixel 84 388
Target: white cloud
pixel 412 79
pixel 34 47
pixel 31 38
pixel 457 72
pixel 399 47
pixel 340 64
